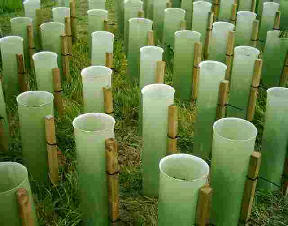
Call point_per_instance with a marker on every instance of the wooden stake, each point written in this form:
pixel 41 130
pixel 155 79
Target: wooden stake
pixel 160 71
pixel 215 8
pixel 172 121
pixel 73 19
pixel 31 44
pixel 3 137
pixel 172 146
pixel 68 33
pixel 222 99
pixel 58 101
pixel 52 149
pixel 250 186
pixel 109 60
pixel 108 100
pixel 208 35
pixel 285 178
pixel 141 14
pixel 229 54
pixel 204 205
pixel 65 58
pixel 277 21
pixel 196 62
pixel 106 25
pixel 169 4
pixel 253 5
pixel 24 206
pixel 183 25
pixel 21 73
pixel 255 33
pixel 284 75
pixel 254 89
pixel 151 41
pixel 234 14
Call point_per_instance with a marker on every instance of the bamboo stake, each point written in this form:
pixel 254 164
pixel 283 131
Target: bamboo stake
pixel 196 62
pixel 250 186
pixel 169 4
pixel 215 8
pixel 183 25
pixel 68 33
pixel 285 178
pixel 284 75
pixel 73 20
pixel 58 101
pixel 234 13
pixel 52 149
pixel 21 73
pixel 254 89
pixel 277 21
pixel 208 35
pixel 160 71
pixel 255 33
pixel 172 129
pixel 24 206
pixel 151 41
pixel 108 100
pixel 229 54
pixel 106 25
pixel 65 58
pixel 141 14
pixel 109 60
pixel 253 5
pixel 204 205
pixel 222 99
pixel 3 137
pixel 31 44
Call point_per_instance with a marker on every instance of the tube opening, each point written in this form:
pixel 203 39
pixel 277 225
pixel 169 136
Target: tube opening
pixel 158 90
pixel 35 98
pixel 45 55
pixel 278 93
pixel 53 26
pixel 246 51
pixel 246 14
pixel 21 20
pixel 96 71
pixel 140 21
pixel 223 26
pixel 211 65
pixel 11 39
pixel 151 50
pixel 95 12
pixel 188 34
pixel 174 11
pixel 202 4
pixel 102 35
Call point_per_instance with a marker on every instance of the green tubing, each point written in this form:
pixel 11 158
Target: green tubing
pixel 138 37
pixel 12 177
pixel 211 74
pixel 149 55
pixel 181 177
pixel 245 5
pixel 172 21
pixel 184 56
pixel 156 98
pixel 260 6
pixel 275 139
pixel 284 14
pixel 90 132
pixel 233 144
pixel 200 18
pixel 244 27
pixel 273 58
pixel 96 4
pixel 59 14
pixel 120 16
pixel 44 62
pixel 176 3
pixel 51 38
pixel 148 8
pixel 102 43
pixel 187 5
pixel 219 37
pixel 241 80
pixel 225 10
pixel 64 3
pixel 33 106
pixel 94 79
pixel 4 118
pixel 10 46
pixel 158 17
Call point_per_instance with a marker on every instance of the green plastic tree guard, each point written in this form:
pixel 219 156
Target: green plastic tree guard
pixel 33 106
pixel 183 59
pixel 138 37
pixel 44 62
pixel 4 118
pixel 156 98
pixel 176 3
pixel 96 4
pixel 245 5
pixel 211 74
pixel 59 14
pixel 241 80
pixel 200 18
pixel 187 5
pixel 148 8
pixel 94 79
pixel 64 3
pixel 275 139
pixel 225 10
pixel 90 132
pixel 233 144
pixel 12 177
pixel 284 14
pixel 172 22
pixel 181 177
pixel 273 58
pixel 10 46
pixel 120 16
pixel 51 38
pixel 218 44
pixel 149 55
pixel 260 6
pixel 244 27
pixel 102 43
pixel 158 17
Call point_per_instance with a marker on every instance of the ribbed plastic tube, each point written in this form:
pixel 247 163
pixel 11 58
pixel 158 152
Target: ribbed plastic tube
pixel 149 55
pixel 273 58
pixel 33 106
pixel 10 46
pixel 219 37
pixel 225 10
pixel 241 80
pixel 90 132
pixel 59 14
pixel 102 43
pixel 284 14
pixel 138 37
pixel 156 98
pixel 12 177
pixel 44 62
pixel 260 6
pixel 200 18
pixel 64 3
pixel 3 114
pixel 176 3
pixel 181 177
pixel 267 19
pixel 51 38
pixel 184 56
pixel 187 5
pixel 275 139
pixel 94 79
pixel 233 144
pixel 158 17
pixel 245 5
pixel 211 74
pixel 148 8
pixel 172 21
pixel 120 16
pixel 96 4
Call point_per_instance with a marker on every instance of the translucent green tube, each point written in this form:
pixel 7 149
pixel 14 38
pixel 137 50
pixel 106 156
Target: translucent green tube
pixel 10 46
pixel 211 74
pixel 244 27
pixel 158 17
pixel 219 37
pixel 120 16
pixel 90 132
pixel 149 55
pixel 12 177
pixel 176 3
pixel 44 62
pixel 138 37
pixel 200 18
pixel 3 115
pixel 156 98
pixel 102 43
pixel 64 3
pixel 51 38
pixel 94 78
pixel 33 106
pixel 284 14
pixel 233 144
pixel 96 4
pixel 241 80
pixel 273 58
pixel 148 8
pixel 245 5
pixel 181 177
pixel 183 56
pixel 172 21
pixel 275 139
pixel 225 10
pixel 187 5
pixel 59 14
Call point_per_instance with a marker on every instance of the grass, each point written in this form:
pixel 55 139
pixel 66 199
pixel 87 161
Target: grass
pixel 59 205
